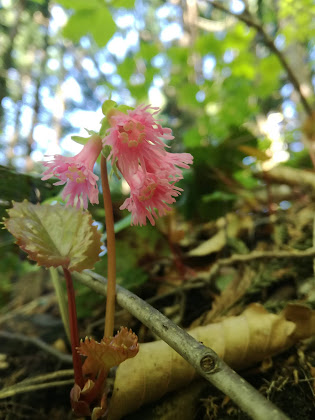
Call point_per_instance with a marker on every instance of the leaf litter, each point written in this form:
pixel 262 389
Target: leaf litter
pixel 217 296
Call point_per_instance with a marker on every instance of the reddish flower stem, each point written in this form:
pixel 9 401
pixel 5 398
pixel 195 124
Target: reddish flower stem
pixel 74 334
pixel 97 388
pixel 111 252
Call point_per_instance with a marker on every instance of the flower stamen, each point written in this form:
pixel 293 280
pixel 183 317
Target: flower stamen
pixel 148 192
pixel 132 133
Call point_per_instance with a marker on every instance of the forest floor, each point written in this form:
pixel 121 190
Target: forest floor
pixel 202 278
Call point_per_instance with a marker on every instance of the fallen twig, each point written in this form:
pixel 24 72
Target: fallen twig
pixel 37 382
pixel 10 392
pixel 256 255
pixel 291 176
pixel 65 358
pixel 203 359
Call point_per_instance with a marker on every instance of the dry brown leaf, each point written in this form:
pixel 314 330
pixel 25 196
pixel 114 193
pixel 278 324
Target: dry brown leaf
pixel 230 295
pixel 241 341
pixel 229 226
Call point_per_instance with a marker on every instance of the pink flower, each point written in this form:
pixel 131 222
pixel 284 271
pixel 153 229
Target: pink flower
pixel 149 192
pixel 77 173
pixel 136 138
pixel 168 163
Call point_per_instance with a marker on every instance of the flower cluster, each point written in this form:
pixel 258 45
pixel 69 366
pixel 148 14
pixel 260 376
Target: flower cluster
pixel 77 173
pixel 138 150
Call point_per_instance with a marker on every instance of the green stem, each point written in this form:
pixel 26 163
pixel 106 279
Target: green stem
pixel 111 253
pixel 62 301
pixel 74 333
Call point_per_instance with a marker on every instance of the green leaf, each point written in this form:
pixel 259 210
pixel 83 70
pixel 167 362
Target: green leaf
pixel 219 196
pixel 191 137
pixel 106 151
pixel 209 44
pixel 119 226
pixel 103 26
pixel 107 105
pixel 223 281
pixel 80 4
pixel 127 68
pixel 79 24
pixel 104 126
pixel 187 95
pixel 84 140
pixel 55 235
pixel 98 22
pixel 124 108
pixel 80 140
pixel 245 178
pixel 131 279
pixel 148 50
pixel 91 132
pixel 127 4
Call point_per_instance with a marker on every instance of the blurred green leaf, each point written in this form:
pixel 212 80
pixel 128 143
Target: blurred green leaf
pixel 119 226
pixel 131 279
pixel 98 22
pixel 81 4
pixel 246 178
pixel 127 4
pixel 219 196
pixel 209 44
pixel 191 137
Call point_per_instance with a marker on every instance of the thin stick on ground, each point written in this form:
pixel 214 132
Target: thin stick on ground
pixel 258 255
pixel 65 358
pixel 111 252
pixel 203 359
pixel 10 392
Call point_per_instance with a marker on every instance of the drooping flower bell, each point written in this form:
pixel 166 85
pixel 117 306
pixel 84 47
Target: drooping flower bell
pixel 150 196
pixel 136 138
pixel 77 173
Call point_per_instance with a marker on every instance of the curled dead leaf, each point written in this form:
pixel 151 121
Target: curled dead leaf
pixel 240 341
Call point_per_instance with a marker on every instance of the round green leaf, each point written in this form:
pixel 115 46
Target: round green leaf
pixel 55 235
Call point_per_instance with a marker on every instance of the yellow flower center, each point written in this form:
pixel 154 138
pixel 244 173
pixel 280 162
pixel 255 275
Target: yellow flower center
pixel 132 133
pixel 147 192
pixel 76 175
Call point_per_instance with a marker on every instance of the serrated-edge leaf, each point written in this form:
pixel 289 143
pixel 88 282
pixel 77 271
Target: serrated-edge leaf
pixel 55 235
pixel 110 352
